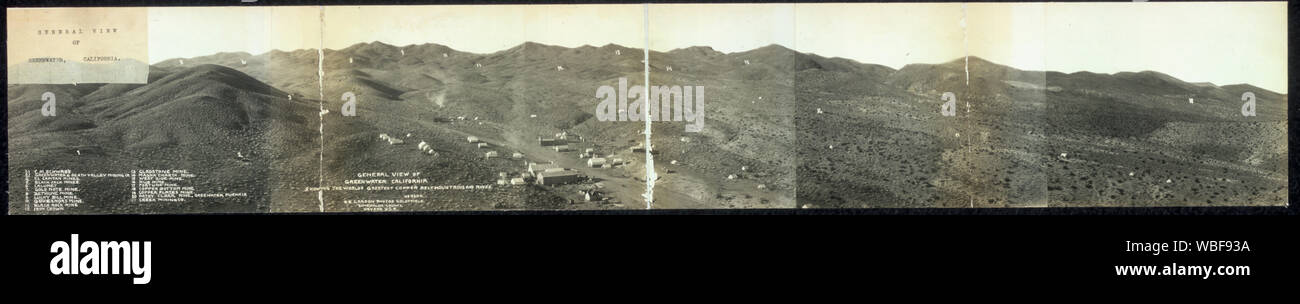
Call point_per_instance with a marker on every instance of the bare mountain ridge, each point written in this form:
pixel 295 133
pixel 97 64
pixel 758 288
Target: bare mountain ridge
pixel 235 132
pixel 535 89
pixel 693 60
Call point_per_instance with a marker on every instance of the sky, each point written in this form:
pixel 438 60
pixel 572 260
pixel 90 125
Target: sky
pixel 486 28
pixel 890 34
pixel 1219 42
pixel 725 28
pixel 182 32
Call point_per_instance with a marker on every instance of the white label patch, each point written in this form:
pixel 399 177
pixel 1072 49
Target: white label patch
pixel 77 45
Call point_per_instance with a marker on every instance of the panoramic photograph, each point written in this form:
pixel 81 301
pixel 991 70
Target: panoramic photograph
pixel 423 145
pixel 209 129
pixel 1041 105
pixel 663 106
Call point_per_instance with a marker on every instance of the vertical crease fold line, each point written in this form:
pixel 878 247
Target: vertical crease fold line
pixel 965 48
pixel 649 158
pixel 320 78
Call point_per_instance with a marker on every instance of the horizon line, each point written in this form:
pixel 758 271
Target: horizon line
pixel 1283 92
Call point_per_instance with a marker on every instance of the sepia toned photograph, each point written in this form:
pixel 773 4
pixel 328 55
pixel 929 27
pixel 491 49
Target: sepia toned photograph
pixel 1044 105
pixel 479 108
pixel 223 123
pixel 414 108
pixel 389 146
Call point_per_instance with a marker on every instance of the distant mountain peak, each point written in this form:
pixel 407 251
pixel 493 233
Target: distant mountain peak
pixel 613 45
pixel 367 45
pixel 974 61
pixel 192 76
pixel 771 51
pixel 1246 87
pixel 1153 75
pixel 236 54
pixel 775 48
pixel 531 44
pixel 974 58
pixel 697 50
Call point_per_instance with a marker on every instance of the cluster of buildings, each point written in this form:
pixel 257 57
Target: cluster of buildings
pixel 542 174
pixel 552 173
pixel 423 146
pixel 483 145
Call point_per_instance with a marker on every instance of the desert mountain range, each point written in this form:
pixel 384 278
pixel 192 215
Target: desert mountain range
pixel 811 131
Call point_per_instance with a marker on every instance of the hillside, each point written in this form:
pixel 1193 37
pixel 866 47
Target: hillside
pixel 783 129
pixel 195 119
